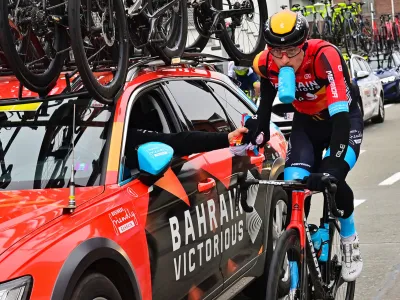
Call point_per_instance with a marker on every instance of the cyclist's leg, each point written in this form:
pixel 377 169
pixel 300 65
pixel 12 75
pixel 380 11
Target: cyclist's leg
pixel 352 264
pixel 300 157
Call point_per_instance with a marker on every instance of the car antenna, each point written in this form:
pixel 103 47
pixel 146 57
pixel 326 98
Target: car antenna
pixel 72 203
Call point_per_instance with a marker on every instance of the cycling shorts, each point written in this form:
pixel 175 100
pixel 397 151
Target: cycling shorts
pixel 311 135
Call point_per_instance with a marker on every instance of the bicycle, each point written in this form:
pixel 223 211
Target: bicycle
pixel 295 259
pixel 226 21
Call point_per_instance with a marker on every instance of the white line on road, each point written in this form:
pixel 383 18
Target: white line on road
pixel 388 105
pixel 392 179
pixel 362 151
pixel 357 202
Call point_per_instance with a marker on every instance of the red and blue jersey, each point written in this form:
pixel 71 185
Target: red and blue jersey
pixel 322 80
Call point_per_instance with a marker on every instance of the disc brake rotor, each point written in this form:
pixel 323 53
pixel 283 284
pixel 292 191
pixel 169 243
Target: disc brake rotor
pixel 107 33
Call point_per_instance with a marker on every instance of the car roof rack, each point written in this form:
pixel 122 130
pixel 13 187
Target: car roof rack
pixel 193 59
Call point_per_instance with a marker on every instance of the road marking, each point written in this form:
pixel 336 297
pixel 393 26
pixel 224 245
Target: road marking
pixel 362 151
pixel 388 105
pixel 392 179
pixel 357 202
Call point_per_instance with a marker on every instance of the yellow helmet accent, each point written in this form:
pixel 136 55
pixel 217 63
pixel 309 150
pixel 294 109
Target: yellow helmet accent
pixel 283 22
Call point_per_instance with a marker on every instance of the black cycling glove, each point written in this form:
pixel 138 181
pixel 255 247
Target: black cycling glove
pixel 318 181
pixel 254 125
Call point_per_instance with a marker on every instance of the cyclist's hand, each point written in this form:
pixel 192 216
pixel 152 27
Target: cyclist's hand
pixel 318 181
pixel 237 134
pixel 255 128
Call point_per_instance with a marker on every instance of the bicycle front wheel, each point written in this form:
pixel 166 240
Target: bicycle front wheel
pixel 341 290
pixel 288 264
pixel 99 41
pixel 242 35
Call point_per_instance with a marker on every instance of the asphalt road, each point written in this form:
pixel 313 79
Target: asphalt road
pixel 376 184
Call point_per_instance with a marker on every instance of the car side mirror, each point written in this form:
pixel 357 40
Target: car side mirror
pixel 154 159
pixel 362 74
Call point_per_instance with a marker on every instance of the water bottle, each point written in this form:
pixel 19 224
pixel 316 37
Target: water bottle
pixel 324 235
pixel 286 84
pixel 320 239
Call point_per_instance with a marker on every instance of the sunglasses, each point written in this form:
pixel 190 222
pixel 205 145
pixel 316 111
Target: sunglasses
pixel 290 52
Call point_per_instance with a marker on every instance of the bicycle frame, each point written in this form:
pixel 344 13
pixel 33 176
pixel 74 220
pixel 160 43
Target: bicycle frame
pixel 298 222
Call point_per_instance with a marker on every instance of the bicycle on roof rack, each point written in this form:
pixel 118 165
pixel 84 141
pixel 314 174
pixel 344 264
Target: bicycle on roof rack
pixel 38 35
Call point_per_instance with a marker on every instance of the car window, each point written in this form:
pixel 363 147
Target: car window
pixel 36 145
pixel 366 65
pixel 356 66
pixel 202 111
pixel 233 105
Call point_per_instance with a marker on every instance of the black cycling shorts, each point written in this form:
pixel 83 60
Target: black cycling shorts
pixel 311 135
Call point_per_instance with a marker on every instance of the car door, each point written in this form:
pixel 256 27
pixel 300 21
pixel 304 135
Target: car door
pixel 364 85
pixel 182 212
pixel 237 260
pixel 239 244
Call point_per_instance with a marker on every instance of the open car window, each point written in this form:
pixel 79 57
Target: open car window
pixel 36 143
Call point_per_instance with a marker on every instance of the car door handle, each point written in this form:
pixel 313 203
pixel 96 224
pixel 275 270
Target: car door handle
pixel 207 185
pixel 257 160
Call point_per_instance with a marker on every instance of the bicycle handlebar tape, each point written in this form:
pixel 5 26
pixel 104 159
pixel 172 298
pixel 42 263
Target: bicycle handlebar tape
pixel 286 84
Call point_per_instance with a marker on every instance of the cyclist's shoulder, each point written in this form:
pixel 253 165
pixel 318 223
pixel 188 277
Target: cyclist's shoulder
pixel 316 47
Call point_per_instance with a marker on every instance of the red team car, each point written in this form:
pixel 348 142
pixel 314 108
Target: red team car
pixel 182 236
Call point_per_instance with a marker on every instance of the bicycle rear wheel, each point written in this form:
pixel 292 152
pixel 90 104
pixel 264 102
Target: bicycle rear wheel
pixel 349 40
pixel 243 38
pixel 288 263
pixel 32 45
pixel 171 28
pixel 99 41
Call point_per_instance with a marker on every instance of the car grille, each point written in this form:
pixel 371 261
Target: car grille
pixel 281 109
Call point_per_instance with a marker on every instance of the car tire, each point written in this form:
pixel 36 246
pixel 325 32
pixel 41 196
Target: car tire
pixel 95 285
pixel 279 205
pixel 380 118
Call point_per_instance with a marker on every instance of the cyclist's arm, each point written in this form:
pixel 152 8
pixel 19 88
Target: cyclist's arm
pixel 263 115
pixel 337 96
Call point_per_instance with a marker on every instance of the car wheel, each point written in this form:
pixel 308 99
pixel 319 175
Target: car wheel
pixel 95 286
pixel 277 224
pixel 380 118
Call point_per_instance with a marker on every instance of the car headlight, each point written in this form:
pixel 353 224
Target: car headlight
pixel 17 289
pixel 388 79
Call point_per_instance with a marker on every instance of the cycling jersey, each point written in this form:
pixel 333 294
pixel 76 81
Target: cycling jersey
pixel 322 80
pixel 324 96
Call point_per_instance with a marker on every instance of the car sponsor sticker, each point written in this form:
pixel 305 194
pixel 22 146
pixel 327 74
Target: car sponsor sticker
pixel 123 219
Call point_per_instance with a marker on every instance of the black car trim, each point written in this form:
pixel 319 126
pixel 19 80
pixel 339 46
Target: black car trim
pixel 84 255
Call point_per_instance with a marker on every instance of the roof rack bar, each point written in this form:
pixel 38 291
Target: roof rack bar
pixel 27 100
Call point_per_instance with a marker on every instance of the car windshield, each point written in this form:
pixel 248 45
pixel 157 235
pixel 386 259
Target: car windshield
pixel 36 143
pixel 384 63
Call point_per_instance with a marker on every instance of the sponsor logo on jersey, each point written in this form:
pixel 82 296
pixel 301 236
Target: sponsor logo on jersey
pixel 332 83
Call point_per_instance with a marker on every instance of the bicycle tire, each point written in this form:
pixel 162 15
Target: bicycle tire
pixel 41 83
pixel 201 41
pixel 175 45
pixel 334 239
pixel 230 47
pixel 327 30
pixel 289 240
pixel 348 42
pixel 105 94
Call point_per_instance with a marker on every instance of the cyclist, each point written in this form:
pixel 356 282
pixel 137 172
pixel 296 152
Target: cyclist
pixel 249 81
pixel 325 117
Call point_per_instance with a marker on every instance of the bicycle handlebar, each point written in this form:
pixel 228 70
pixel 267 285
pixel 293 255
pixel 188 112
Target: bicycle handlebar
pixel 244 184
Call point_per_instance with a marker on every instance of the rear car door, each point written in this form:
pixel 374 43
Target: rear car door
pixel 181 213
